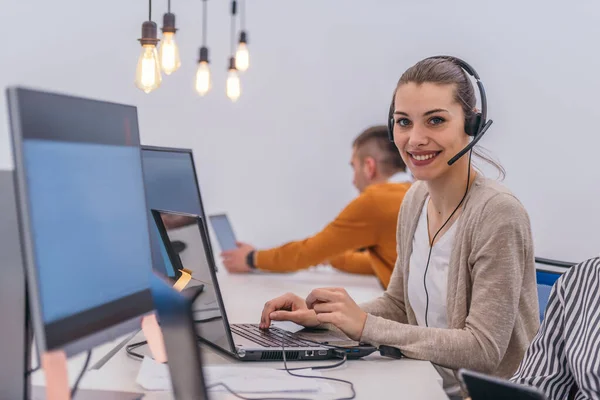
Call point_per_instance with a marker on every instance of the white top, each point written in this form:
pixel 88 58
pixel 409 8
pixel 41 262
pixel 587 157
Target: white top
pixel 437 274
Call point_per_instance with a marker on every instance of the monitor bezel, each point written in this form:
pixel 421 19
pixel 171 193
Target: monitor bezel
pixel 190 153
pixel 78 332
pixel 201 222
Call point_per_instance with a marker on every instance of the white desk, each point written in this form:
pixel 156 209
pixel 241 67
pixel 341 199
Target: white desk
pixel 374 377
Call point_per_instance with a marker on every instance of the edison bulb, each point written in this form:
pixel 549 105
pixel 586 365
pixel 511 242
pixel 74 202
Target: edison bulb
pixel 147 76
pixel 242 57
pixel 233 85
pixel 169 54
pixel 203 83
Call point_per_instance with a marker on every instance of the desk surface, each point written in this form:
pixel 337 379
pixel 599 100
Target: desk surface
pixel 374 377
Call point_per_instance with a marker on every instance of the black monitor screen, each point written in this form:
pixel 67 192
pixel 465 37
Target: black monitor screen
pixel 80 169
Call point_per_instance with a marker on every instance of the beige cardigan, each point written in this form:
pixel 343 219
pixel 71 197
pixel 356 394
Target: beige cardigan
pixel 492 303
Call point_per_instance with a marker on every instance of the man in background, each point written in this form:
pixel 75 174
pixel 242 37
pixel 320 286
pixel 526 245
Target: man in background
pixel 362 238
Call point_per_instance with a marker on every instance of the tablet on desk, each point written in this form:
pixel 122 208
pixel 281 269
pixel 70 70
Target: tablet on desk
pixel 485 387
pixel 223 231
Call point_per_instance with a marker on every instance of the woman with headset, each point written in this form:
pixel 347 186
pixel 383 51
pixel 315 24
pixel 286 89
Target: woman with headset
pixel 463 292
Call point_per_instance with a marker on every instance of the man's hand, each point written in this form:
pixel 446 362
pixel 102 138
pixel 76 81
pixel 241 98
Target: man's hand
pixel 335 306
pixel 288 307
pixel 235 260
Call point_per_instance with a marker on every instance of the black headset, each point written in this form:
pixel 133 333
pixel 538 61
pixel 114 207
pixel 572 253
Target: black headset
pixel 475 125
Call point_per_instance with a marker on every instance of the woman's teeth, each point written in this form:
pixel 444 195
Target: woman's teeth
pixel 424 157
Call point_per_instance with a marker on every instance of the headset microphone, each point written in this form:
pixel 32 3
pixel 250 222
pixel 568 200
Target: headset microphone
pixel 472 144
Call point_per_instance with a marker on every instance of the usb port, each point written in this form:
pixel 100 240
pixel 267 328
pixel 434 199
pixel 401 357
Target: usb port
pixel 322 352
pixel 309 353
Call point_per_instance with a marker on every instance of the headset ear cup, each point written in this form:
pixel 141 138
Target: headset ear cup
pixel 390 123
pixel 472 124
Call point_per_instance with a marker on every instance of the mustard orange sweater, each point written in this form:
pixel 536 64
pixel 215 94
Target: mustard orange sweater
pixel 368 223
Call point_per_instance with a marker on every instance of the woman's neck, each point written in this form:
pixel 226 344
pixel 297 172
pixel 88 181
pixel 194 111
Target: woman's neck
pixel 447 191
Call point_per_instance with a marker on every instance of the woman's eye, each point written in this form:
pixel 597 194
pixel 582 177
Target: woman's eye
pixel 436 120
pixel 403 122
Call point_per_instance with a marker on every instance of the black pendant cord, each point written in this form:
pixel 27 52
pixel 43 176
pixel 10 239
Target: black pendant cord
pixel 204 22
pixel 149 10
pixel 233 13
pixel 169 6
pixel 243 15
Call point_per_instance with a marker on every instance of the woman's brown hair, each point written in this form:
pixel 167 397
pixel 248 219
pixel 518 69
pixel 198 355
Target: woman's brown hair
pixel 444 71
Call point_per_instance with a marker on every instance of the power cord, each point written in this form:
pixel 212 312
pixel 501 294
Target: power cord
pixel 31 371
pixel 327 378
pixel 85 365
pixel 130 347
pixel 339 353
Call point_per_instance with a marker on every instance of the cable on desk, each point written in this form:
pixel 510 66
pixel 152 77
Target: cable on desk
pixel 31 371
pixel 289 371
pixel 130 347
pixel 85 365
pixel 327 378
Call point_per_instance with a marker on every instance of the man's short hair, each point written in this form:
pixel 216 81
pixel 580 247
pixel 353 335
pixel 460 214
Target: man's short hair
pixel 375 142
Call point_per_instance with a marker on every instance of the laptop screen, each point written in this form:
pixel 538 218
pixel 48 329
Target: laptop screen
pixel 209 312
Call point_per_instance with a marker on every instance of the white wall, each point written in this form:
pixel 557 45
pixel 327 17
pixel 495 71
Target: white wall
pixel 321 71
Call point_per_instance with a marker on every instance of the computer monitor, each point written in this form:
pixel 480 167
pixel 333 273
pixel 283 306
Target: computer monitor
pixel 82 217
pixel 171 183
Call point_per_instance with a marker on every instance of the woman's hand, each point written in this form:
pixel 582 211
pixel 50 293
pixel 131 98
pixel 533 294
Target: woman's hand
pixel 335 306
pixel 288 307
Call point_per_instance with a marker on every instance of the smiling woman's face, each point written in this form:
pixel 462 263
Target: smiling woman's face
pixel 429 128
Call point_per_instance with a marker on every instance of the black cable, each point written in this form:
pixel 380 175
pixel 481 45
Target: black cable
pixel 327 378
pixel 169 6
pixel 242 15
pixel 233 13
pixel 204 22
pixel 434 236
pixel 129 349
pixel 289 371
pixel 31 371
pixel 85 365
pixel 149 10
pixel 330 366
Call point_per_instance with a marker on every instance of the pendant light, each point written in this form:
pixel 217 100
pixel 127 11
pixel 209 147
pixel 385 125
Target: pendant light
pixel 203 80
pixel 169 52
pixel 148 76
pixel 242 57
pixel 233 78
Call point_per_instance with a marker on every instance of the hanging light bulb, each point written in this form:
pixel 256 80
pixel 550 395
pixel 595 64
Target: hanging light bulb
pixel 169 51
pixel 242 57
pixel 233 81
pixel 147 76
pixel 203 82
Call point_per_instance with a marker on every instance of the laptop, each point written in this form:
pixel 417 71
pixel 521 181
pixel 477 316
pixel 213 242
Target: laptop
pixel 247 342
pixel 485 387
pixel 224 232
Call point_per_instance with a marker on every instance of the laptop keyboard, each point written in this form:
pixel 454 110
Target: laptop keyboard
pixel 272 337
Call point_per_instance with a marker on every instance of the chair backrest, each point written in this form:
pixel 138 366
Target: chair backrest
pixel 545 280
